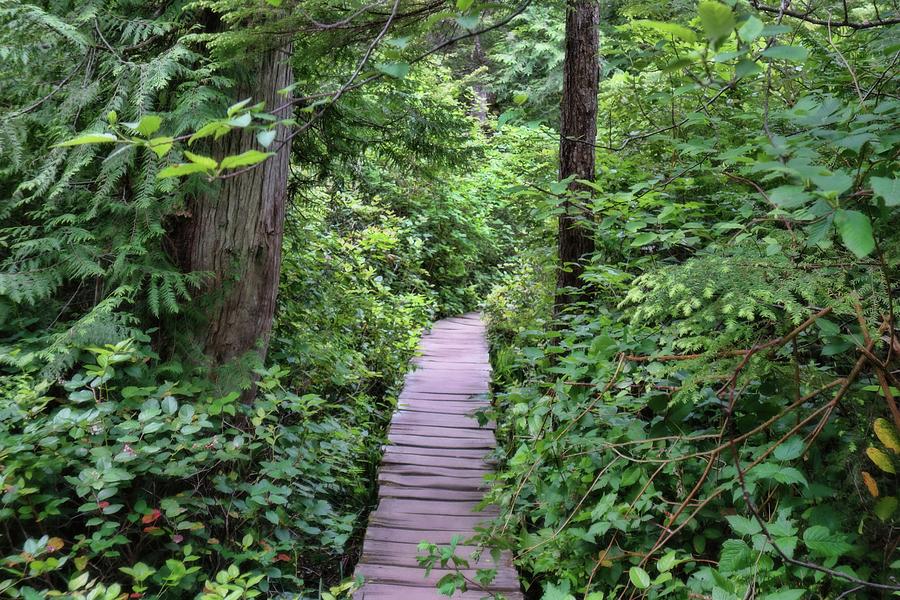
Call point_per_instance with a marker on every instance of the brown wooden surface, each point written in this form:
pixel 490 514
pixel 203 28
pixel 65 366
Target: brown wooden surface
pixel 432 476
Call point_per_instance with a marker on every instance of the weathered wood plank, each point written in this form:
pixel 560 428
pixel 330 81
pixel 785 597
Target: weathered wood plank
pixel 435 469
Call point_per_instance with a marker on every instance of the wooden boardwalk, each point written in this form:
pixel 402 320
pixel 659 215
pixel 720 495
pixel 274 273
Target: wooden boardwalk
pixel 432 473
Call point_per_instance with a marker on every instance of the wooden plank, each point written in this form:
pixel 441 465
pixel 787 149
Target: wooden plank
pixel 435 507
pixel 434 470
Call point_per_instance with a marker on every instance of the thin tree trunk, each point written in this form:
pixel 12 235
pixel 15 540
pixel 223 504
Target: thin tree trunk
pixel 578 134
pixel 236 233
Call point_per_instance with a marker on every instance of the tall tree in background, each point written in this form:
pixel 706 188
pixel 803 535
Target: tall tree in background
pixel 578 134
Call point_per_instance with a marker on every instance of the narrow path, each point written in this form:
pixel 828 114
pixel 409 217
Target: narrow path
pixel 432 473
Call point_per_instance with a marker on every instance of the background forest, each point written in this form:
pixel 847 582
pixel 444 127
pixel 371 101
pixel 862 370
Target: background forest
pixel 225 223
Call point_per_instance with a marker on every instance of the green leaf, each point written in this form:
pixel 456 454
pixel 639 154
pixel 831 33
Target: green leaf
pixel 639 578
pixel 643 239
pixel 182 169
pixel 750 29
pixel 743 525
pixel 832 183
pixel 856 231
pixel 670 29
pixel 464 5
pixel 820 540
pixel 275 3
pixel 717 20
pixel 886 507
pixel 397 70
pixel 792 594
pixel 888 189
pixel 89 138
pixel 746 67
pixel 244 159
pixel 667 562
pixel 160 145
pixel 789 196
pixel 148 125
pixel 266 137
pixel 237 106
pixel 216 128
pixel 789 449
pixel 789 53
pixel 561 591
pixel 207 162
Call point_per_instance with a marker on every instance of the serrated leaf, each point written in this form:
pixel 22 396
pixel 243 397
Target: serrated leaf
pixel 639 578
pixel 182 169
pixel 886 507
pixel 88 138
pixel 789 449
pixel 881 459
pixel 207 162
pixel 820 540
pixel 743 526
pixel 160 145
pixel 244 159
pixel 789 53
pixel 888 189
pixel 856 232
pixel 717 20
pixel 148 125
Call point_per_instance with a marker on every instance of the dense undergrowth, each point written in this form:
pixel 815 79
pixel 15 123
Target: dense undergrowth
pixel 716 419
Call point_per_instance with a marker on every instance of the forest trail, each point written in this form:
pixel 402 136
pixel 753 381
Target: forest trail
pixel 432 473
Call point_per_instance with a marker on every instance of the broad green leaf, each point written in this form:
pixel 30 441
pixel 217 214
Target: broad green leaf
pixel 244 159
pixel 464 5
pixel 561 591
pixel 88 138
pixel 148 125
pixel 750 29
pixel 160 145
pixel 735 556
pixel 743 526
pixel 856 231
pixel 820 540
pixel 182 169
pixel 397 70
pixel 717 20
pixel 639 578
pixel 275 3
pixel 216 128
pixel 886 507
pixel 667 562
pixel 789 53
pixel 789 449
pixel 881 459
pixel 643 239
pixel 888 189
pixel 789 196
pixel 207 162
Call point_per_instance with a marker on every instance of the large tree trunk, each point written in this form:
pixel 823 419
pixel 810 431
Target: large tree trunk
pixel 236 233
pixel 578 134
